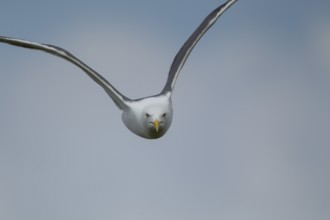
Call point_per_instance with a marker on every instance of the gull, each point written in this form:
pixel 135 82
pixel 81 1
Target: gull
pixel 149 117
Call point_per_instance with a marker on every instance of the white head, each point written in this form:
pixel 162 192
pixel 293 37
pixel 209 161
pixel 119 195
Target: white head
pixel 150 117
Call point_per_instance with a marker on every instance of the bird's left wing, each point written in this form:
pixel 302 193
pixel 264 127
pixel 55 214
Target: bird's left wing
pixel 119 99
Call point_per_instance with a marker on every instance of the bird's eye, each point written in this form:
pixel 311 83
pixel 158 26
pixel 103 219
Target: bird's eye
pixel 147 115
pixel 164 115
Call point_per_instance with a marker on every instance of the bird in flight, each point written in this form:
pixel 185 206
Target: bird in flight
pixel 148 117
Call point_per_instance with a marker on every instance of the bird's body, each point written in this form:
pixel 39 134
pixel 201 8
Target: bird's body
pixel 148 117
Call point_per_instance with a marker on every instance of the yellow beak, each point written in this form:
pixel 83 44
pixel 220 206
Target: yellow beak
pixel 156 125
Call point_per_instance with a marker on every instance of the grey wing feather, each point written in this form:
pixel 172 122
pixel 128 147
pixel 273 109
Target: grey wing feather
pixel 187 47
pixel 116 96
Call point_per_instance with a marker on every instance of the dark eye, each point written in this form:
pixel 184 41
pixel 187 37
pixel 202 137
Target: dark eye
pixel 164 115
pixel 147 115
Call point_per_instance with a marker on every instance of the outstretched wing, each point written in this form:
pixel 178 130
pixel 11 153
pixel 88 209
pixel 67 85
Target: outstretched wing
pixel 116 96
pixel 187 47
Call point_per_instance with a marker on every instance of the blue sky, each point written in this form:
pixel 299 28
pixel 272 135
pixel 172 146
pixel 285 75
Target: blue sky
pixel 250 135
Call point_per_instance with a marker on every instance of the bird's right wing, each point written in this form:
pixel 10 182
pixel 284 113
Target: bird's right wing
pixel 187 47
pixel 119 99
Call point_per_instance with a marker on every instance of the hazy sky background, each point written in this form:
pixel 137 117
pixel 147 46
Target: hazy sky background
pixel 250 137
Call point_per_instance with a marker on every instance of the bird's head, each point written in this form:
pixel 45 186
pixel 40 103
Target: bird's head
pixel 156 120
pixel 149 117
